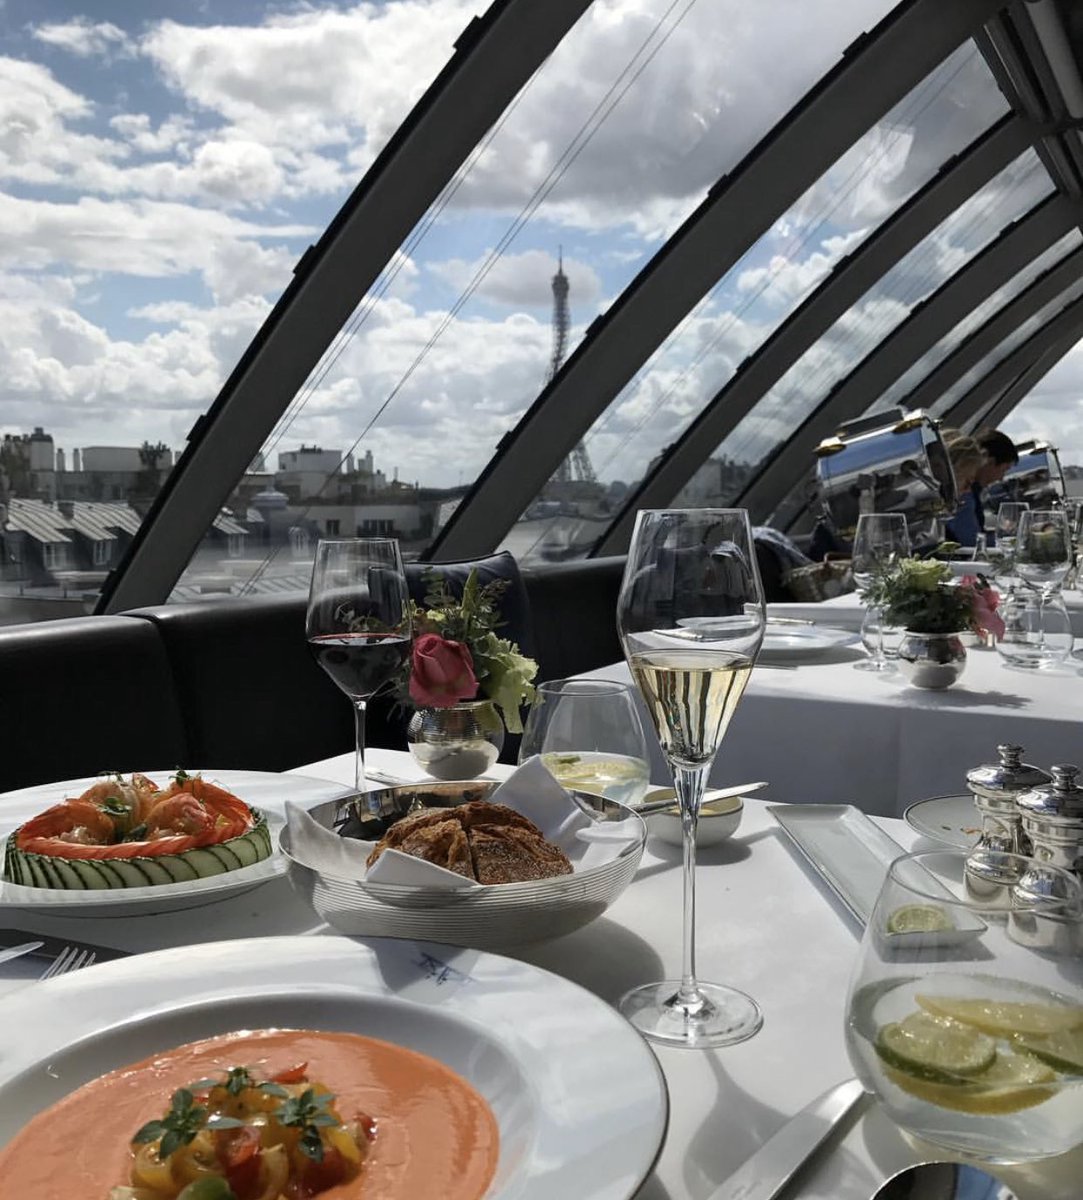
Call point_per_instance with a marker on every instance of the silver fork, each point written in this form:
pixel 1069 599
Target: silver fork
pixel 69 959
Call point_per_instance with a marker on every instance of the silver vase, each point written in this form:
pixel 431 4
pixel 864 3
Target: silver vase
pixel 461 741
pixel 931 660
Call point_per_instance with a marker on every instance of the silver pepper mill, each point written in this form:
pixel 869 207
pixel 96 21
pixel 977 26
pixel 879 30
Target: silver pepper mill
pixel 1053 823
pixel 996 788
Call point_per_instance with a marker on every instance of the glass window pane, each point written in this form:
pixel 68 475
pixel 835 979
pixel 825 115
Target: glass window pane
pixel 605 152
pixel 951 245
pixel 162 169
pixel 1049 412
pixel 1011 343
pixel 929 361
pixel 943 115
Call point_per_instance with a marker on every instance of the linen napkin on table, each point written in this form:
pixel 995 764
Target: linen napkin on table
pixel 531 791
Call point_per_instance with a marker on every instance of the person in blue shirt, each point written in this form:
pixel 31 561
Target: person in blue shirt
pixel 996 453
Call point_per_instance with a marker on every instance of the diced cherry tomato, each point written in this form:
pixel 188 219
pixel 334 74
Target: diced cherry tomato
pixel 317 1177
pixel 296 1074
pixel 238 1152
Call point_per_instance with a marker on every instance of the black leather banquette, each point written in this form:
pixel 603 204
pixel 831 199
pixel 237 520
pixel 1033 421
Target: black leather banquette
pixel 230 683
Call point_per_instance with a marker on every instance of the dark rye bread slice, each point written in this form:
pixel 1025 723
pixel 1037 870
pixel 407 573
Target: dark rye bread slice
pixel 487 842
pixel 444 844
pixel 510 855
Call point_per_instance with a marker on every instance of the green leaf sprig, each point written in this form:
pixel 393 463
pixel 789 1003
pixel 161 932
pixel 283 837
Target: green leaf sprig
pixel 308 1112
pixel 178 1127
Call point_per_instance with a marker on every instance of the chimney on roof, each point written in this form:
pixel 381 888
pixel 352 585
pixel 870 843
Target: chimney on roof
pixel 66 508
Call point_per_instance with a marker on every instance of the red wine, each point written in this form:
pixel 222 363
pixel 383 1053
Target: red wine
pixel 360 662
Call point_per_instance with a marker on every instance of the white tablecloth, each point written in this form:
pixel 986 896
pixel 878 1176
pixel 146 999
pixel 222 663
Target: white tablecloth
pixel 825 733
pixel 767 924
pixel 847 612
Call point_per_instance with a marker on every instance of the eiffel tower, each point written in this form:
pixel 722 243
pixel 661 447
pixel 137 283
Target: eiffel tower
pixel 577 466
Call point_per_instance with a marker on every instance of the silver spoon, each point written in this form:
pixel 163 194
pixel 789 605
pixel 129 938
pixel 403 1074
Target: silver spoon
pixel 602 810
pixel 943 1181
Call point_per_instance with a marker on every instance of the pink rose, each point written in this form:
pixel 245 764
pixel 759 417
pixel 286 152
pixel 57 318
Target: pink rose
pixel 983 604
pixel 441 672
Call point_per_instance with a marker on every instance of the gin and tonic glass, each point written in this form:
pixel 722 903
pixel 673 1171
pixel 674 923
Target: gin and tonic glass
pixel 965 1010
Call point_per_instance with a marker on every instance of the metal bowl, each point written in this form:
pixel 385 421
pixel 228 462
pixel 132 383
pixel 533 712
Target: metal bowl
pixel 486 918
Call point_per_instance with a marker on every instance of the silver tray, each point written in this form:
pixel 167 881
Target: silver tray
pixel 853 854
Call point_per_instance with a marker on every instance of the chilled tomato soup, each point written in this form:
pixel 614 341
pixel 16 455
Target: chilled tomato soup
pixel 435 1139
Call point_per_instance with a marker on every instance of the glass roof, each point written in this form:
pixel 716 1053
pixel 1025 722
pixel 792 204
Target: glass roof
pixel 166 206
pixel 931 359
pixel 895 158
pixel 1029 327
pixel 973 226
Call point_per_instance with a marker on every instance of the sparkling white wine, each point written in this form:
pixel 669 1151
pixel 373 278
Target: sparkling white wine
pixel 691 696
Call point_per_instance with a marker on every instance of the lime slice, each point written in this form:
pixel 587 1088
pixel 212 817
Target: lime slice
pixel 1062 1050
pixel 935 1048
pixel 1003 1018
pixel 1013 1082
pixel 918 918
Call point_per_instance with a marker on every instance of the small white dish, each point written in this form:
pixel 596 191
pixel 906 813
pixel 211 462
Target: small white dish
pixel 718 819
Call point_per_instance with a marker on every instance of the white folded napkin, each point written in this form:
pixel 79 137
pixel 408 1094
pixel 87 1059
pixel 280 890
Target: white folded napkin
pixel 531 791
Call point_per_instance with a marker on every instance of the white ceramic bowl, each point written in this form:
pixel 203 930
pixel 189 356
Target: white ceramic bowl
pixel 498 917
pixel 718 820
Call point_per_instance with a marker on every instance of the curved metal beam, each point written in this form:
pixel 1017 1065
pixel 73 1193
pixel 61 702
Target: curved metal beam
pixel 1023 384
pixel 494 57
pixel 956 181
pixel 1001 325
pixel 1068 323
pixel 1019 244
pixel 875 73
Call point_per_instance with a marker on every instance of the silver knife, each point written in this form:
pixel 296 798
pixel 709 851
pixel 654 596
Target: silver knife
pixel 777 1161
pixel 18 951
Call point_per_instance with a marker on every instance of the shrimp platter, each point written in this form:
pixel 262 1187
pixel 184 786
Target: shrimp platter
pixel 127 832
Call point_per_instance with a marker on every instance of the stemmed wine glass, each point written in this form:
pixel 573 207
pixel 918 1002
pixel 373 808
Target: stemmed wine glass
pixel 590 737
pixel 1043 556
pixel 691 620
pixel 358 621
pixel 879 539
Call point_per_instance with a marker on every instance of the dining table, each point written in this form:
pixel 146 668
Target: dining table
pixel 768 923
pixel 821 731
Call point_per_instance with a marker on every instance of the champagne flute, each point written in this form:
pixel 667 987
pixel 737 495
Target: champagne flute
pixel 590 737
pixel 879 539
pixel 358 621
pixel 691 620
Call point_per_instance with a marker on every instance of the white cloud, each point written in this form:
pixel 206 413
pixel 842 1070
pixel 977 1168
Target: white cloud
pixel 84 38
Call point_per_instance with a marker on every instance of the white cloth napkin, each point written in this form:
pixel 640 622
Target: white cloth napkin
pixel 531 791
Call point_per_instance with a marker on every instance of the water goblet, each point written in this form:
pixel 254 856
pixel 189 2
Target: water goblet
pixel 691 620
pixel 1043 555
pixel 965 1007
pixel 1007 525
pixel 880 539
pixel 358 621
pixel 590 736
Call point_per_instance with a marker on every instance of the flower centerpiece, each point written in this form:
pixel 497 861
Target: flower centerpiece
pixel 466 682
pixel 933 609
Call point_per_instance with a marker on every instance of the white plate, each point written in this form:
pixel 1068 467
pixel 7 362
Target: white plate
pixel 853 854
pixel 579 1098
pixel 954 820
pixel 262 789
pixel 804 641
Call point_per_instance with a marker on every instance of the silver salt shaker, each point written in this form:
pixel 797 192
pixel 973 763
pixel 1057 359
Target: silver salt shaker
pixel 996 788
pixel 1053 823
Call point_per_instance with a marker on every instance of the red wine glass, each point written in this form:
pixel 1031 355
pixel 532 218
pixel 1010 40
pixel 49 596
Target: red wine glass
pixel 358 621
